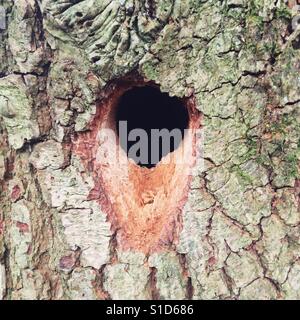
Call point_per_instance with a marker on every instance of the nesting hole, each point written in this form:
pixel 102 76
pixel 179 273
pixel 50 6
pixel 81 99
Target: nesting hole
pixel 148 108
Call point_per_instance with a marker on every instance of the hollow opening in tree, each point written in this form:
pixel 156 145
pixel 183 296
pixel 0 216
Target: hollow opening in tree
pixel 150 124
pixel 143 204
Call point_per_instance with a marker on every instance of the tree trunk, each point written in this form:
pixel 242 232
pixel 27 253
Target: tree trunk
pixel 225 225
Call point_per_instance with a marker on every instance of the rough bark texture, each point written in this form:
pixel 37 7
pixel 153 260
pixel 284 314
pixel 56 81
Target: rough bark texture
pixel 238 235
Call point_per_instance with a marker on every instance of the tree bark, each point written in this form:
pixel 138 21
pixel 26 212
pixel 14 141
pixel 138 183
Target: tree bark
pixel 237 233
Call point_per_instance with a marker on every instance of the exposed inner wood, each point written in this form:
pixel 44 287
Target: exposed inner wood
pixel 144 205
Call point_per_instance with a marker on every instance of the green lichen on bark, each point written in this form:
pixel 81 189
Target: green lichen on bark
pixel 240 231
